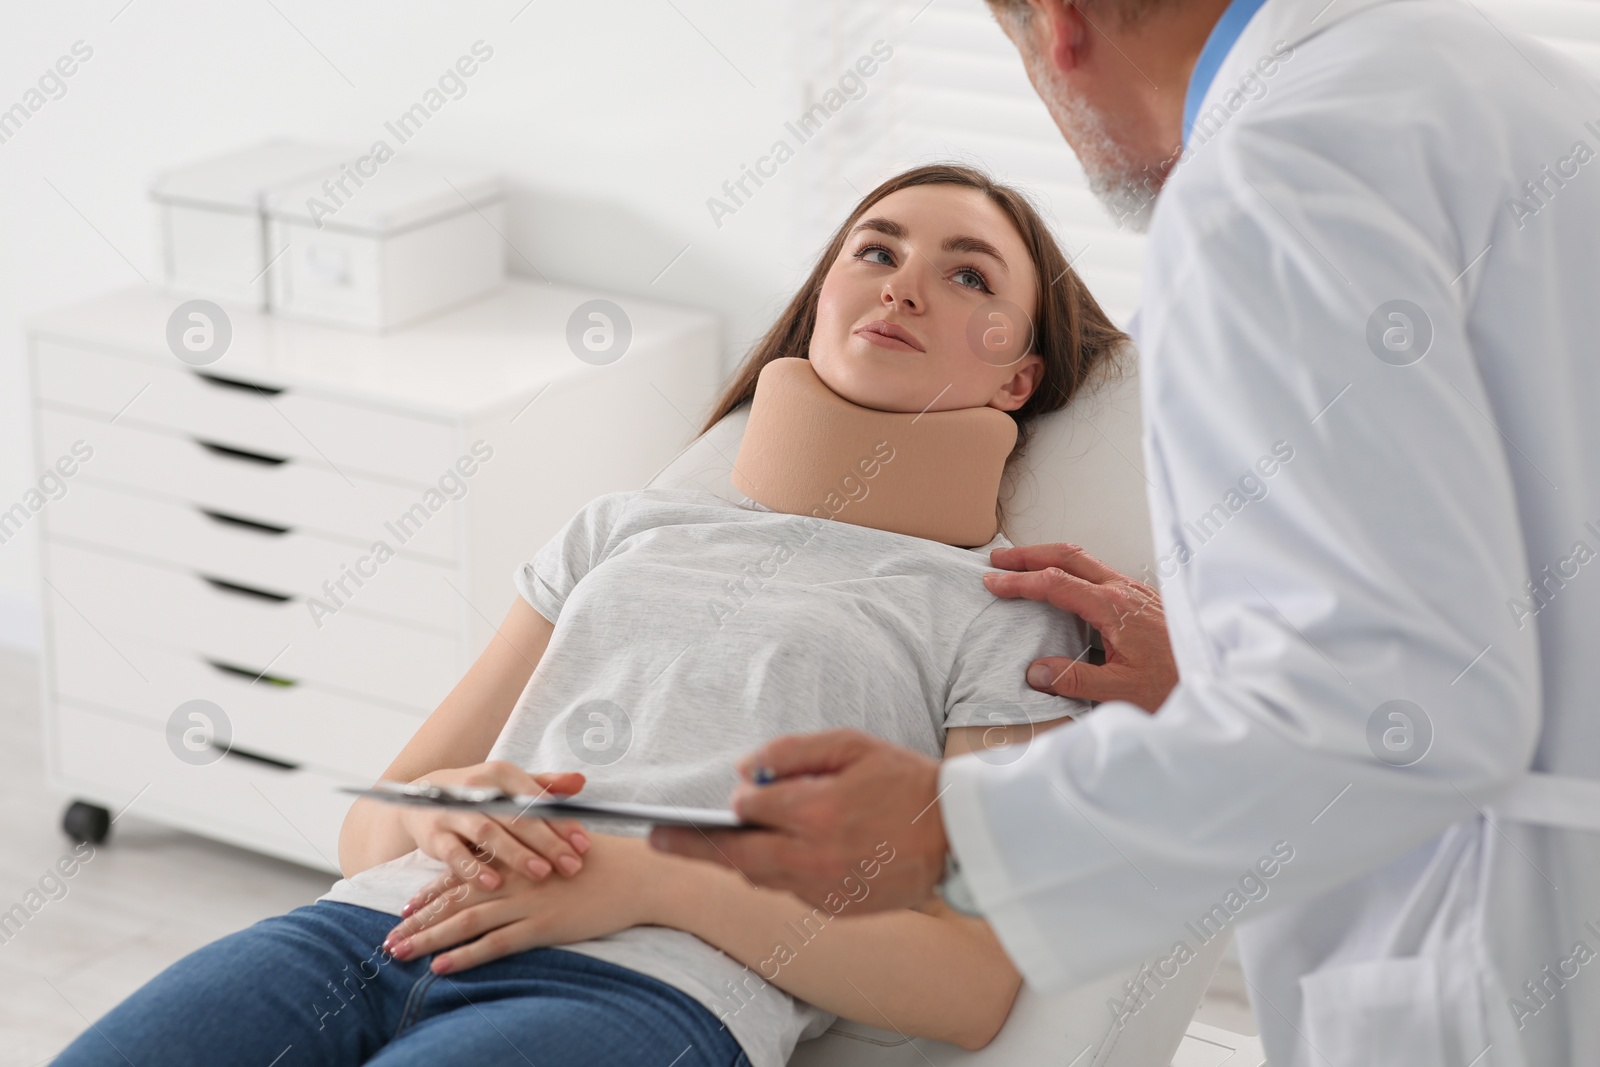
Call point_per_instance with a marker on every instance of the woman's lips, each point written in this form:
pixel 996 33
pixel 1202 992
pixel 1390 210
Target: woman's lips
pixel 890 335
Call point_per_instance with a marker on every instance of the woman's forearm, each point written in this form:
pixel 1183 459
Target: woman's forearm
pixel 460 733
pixel 931 973
pixel 371 835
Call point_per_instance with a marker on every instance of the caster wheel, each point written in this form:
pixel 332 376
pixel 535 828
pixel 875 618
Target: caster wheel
pixel 86 822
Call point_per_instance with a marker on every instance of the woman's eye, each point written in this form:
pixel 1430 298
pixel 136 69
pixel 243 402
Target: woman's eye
pixel 971 278
pixel 870 253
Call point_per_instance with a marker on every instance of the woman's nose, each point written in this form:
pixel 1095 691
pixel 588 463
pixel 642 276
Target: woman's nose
pixel 901 296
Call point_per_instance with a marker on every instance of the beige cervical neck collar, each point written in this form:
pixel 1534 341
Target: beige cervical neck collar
pixel 809 451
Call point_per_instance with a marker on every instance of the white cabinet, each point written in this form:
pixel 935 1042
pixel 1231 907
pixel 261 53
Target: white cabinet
pixel 314 534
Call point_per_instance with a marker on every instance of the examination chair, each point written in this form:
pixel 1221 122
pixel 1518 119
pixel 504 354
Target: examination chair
pixel 1081 479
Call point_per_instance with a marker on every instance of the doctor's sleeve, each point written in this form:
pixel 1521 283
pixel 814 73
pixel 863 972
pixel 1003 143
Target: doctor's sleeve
pixel 1351 680
pixel 577 548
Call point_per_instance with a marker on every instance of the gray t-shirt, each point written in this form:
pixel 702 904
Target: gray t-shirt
pixel 689 630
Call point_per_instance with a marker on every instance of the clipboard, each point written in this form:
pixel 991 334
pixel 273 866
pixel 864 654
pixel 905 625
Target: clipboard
pixel 495 801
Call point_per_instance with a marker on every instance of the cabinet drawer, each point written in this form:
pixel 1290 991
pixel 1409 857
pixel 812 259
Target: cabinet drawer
pixel 302 723
pixel 290 493
pixel 297 562
pixel 124 763
pixel 180 609
pixel 258 416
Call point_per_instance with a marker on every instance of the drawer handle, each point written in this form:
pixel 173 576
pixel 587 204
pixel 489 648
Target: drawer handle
pixel 246 672
pixel 246 590
pixel 222 382
pixel 256 757
pixel 249 524
pixel 240 453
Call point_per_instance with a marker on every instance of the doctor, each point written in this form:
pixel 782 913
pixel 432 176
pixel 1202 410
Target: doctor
pixel 1372 267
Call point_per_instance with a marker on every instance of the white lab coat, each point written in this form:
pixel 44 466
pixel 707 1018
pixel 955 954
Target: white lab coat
pixel 1386 561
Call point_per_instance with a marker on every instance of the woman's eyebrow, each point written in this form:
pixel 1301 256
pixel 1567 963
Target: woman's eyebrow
pixel 887 227
pixel 976 246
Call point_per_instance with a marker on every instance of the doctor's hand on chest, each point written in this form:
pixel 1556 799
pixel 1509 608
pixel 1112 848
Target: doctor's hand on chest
pixel 1139 666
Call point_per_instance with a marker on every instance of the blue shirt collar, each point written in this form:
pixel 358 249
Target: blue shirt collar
pixel 1223 37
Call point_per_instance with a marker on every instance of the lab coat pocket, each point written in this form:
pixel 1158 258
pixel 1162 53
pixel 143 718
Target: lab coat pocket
pixel 1378 1013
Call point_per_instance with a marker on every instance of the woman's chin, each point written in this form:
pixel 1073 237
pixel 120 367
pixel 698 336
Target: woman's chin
pixel 870 376
pixel 868 394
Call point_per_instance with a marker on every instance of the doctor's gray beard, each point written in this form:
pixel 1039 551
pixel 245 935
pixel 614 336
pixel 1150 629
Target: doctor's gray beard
pixel 1123 185
pixel 1124 196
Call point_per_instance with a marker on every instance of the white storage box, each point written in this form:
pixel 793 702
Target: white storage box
pixel 377 245
pixel 213 225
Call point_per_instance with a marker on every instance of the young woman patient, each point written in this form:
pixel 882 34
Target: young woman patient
pixel 658 637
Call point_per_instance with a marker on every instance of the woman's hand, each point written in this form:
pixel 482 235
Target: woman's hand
pixel 620 889
pixel 474 844
pixel 1139 666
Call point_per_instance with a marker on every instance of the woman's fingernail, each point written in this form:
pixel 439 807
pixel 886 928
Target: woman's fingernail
pixel 990 574
pixel 580 841
pixel 441 965
pixel 405 912
pixel 538 867
pixel 401 948
pixel 489 880
pixel 1038 676
pixel 569 864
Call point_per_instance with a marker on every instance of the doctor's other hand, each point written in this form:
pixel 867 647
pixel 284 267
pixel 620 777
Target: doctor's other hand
pixel 475 844
pixel 1139 667
pixel 843 809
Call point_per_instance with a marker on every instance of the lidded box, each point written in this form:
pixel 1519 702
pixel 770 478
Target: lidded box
pixel 213 229
pixel 377 243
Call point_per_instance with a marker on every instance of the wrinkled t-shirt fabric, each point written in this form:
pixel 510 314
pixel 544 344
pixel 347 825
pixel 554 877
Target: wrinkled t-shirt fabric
pixel 690 629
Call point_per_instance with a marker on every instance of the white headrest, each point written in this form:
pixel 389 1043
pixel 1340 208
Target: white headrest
pixel 1081 478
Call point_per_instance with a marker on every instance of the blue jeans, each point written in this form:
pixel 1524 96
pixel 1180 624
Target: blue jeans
pixel 313 987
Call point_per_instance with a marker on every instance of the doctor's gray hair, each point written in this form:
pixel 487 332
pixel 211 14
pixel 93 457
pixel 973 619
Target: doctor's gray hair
pixel 1017 13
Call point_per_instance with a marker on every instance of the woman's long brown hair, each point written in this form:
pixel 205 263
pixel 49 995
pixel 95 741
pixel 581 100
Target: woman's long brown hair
pixel 1071 332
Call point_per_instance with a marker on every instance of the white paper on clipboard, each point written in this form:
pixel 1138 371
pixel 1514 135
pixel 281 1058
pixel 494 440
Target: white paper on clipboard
pixel 496 802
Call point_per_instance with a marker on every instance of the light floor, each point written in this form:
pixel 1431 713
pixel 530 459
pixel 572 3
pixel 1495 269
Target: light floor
pixel 150 895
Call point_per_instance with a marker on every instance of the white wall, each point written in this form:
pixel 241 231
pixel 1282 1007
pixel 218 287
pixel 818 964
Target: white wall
pixel 614 120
